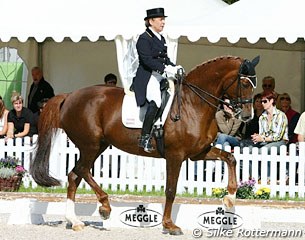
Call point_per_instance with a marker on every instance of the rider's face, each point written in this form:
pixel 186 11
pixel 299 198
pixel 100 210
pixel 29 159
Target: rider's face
pixel 157 24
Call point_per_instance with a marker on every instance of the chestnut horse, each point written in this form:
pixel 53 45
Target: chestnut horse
pixel 92 119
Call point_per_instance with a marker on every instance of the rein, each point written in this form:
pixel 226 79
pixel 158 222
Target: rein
pixel 235 104
pixel 180 77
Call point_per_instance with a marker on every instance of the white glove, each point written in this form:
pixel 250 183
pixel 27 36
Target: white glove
pixel 180 67
pixel 170 71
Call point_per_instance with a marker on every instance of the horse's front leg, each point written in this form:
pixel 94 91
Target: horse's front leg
pixel 172 175
pixel 218 154
pixel 73 182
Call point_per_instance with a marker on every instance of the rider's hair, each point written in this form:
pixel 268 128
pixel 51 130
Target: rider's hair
pixel 147 24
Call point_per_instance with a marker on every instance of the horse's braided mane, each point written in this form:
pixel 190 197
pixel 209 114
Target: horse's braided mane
pixel 214 60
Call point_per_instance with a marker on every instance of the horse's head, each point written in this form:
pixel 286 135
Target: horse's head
pixel 241 90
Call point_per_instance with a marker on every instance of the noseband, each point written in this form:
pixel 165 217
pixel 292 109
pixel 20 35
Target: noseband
pixel 235 103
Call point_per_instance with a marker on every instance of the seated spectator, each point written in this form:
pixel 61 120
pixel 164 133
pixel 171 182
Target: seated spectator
pixel 273 125
pixel 36 115
pixel 228 126
pixel 110 79
pixel 252 126
pixel 293 116
pixel 3 118
pixel 300 128
pixel 19 119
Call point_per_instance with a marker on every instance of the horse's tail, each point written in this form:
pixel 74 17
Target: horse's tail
pixel 49 122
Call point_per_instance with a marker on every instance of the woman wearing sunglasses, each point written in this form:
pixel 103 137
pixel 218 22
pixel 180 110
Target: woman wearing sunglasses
pixel 273 124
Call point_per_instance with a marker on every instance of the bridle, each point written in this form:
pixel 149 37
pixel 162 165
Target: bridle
pixel 235 103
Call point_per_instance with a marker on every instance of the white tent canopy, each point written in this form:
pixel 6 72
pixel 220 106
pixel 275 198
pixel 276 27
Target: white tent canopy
pixel 271 19
pixel 115 19
pixel 213 19
pixel 95 18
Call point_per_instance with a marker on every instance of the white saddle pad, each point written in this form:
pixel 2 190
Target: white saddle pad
pixel 133 116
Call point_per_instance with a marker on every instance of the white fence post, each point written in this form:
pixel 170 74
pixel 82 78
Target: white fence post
pixel 301 170
pixel 292 169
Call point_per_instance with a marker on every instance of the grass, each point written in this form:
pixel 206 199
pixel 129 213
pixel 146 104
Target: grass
pixel 152 193
pixel 109 191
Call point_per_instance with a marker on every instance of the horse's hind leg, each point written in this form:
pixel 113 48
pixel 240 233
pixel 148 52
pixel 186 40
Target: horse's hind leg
pixel 82 170
pixel 218 154
pixel 73 182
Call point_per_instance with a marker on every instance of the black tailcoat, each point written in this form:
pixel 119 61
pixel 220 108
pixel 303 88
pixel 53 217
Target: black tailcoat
pixel 152 57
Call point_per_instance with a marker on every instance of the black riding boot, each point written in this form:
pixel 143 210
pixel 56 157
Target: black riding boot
pixel 145 140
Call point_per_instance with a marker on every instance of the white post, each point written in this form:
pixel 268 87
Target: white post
pixel 23 212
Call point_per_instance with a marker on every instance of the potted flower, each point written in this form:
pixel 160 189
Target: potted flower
pixel 11 173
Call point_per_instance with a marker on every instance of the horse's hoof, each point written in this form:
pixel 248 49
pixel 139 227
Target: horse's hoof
pixel 177 231
pixel 78 227
pixel 228 201
pixel 104 213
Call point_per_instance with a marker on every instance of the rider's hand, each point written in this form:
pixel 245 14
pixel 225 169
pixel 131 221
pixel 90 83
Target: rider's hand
pixel 170 71
pixel 180 67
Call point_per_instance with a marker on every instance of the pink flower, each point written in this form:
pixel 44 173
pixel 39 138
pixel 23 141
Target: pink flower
pixel 19 169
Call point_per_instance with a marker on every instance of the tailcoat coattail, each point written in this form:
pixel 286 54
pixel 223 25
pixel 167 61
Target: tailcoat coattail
pixel 152 57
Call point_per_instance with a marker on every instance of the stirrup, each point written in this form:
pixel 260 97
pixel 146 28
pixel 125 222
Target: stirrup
pixel 145 143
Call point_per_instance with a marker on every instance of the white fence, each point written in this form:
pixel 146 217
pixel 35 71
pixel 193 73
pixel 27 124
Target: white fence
pixel 118 170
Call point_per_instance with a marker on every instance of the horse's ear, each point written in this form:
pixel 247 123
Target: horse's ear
pixel 255 61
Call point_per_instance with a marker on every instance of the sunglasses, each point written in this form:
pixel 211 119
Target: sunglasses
pixel 285 98
pixel 267 85
pixel 264 101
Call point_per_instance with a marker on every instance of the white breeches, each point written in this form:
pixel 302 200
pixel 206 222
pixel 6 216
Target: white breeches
pixel 153 92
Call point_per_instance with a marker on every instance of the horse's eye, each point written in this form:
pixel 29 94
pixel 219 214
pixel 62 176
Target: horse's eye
pixel 245 84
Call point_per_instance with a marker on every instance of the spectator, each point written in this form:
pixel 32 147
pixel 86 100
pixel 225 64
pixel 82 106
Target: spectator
pixel 252 126
pixel 300 128
pixel 268 85
pixel 36 115
pixel 228 126
pixel 3 118
pixel 292 115
pixel 273 127
pixel 273 124
pixel 110 79
pixel 19 119
pixel 40 89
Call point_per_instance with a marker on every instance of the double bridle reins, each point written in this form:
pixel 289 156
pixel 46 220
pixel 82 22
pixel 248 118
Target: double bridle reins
pixel 235 103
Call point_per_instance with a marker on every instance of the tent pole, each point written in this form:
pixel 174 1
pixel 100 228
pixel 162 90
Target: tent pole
pixel 303 83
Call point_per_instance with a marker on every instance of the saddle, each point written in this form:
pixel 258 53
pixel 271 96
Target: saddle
pixel 133 116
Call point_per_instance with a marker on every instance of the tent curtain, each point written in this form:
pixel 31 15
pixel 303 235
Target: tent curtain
pixel 127 56
pixel 28 51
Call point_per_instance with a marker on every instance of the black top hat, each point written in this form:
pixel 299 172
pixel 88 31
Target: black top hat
pixel 155 12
